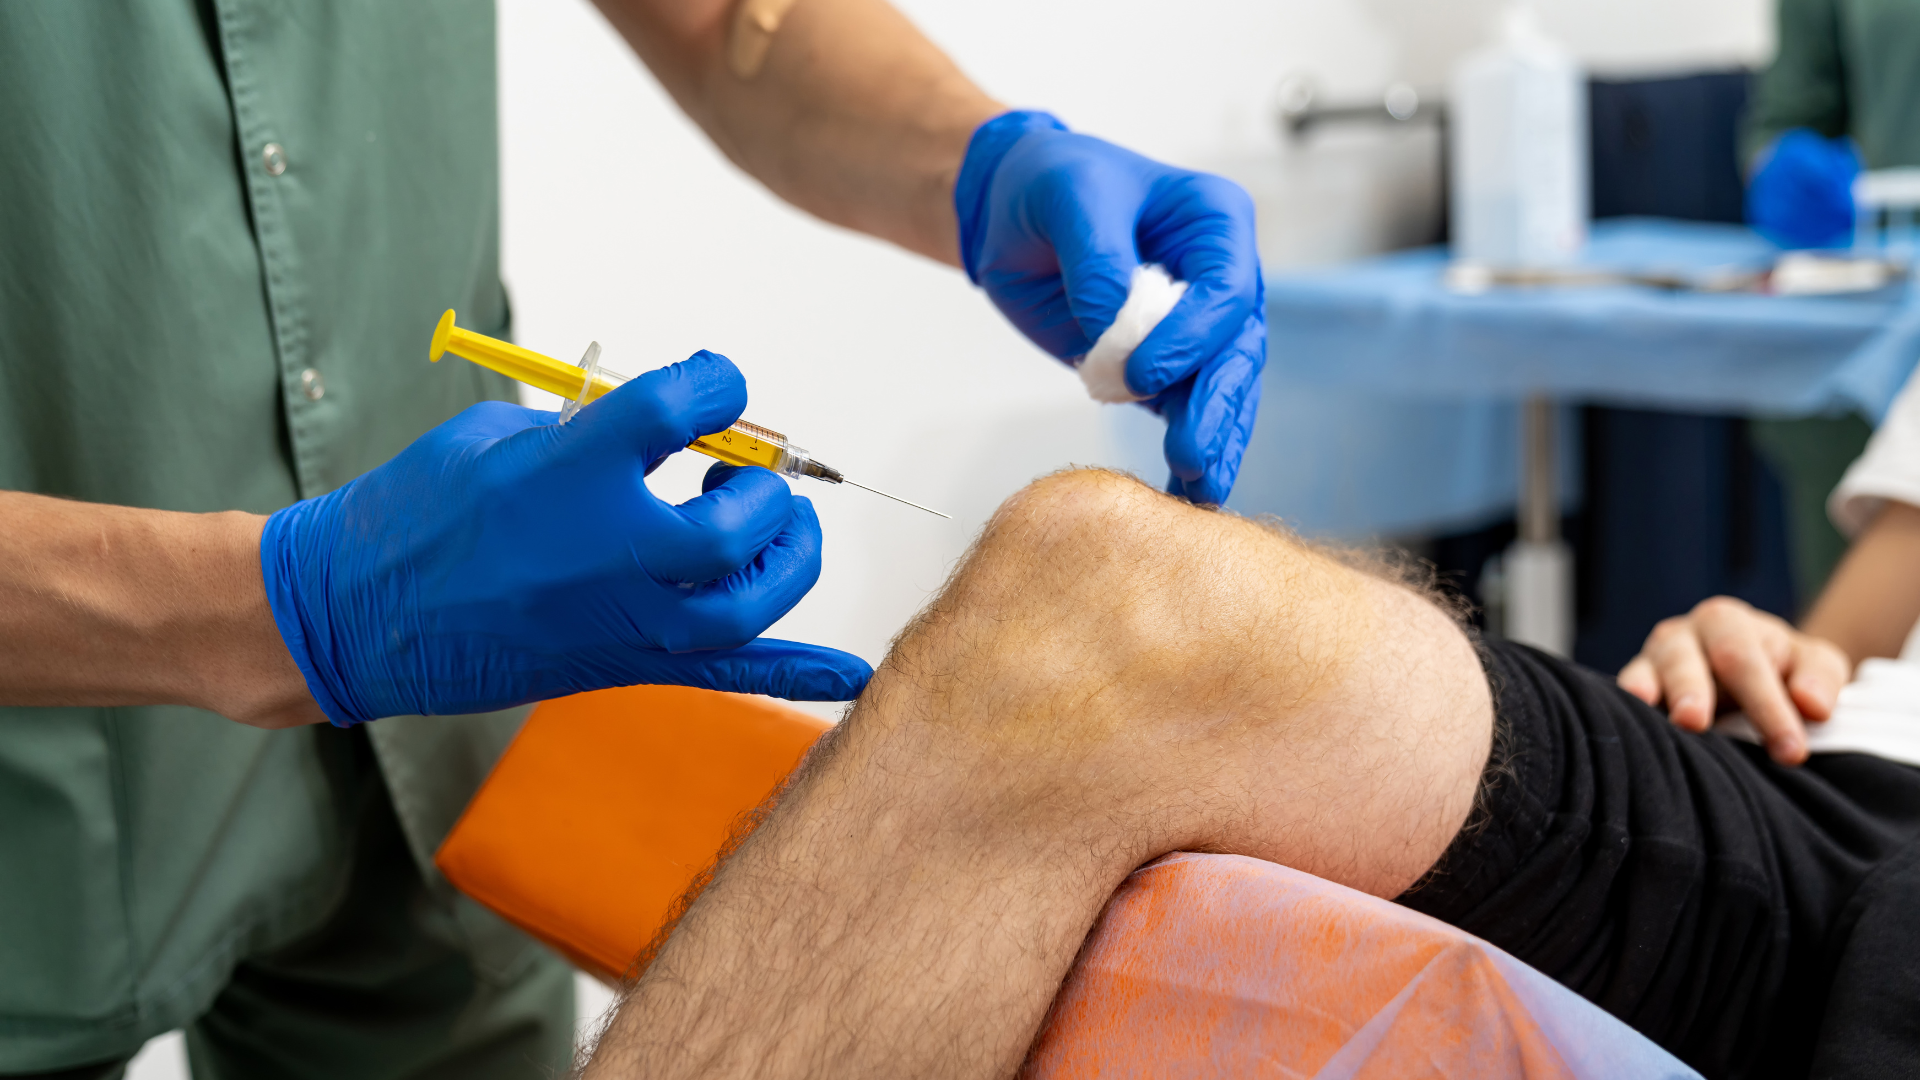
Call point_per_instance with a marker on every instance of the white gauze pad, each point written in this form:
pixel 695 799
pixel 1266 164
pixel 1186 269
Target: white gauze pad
pixel 1152 294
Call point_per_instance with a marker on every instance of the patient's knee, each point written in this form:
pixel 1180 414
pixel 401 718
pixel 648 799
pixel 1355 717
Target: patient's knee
pixel 1087 582
pixel 1105 645
pixel 1108 549
pixel 1079 549
pixel 1083 529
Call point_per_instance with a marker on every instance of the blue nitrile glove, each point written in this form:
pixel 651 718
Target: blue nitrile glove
pixel 1801 196
pixel 503 559
pixel 1052 225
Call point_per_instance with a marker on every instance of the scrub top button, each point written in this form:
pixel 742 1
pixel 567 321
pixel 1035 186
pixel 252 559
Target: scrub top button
pixel 312 385
pixel 274 158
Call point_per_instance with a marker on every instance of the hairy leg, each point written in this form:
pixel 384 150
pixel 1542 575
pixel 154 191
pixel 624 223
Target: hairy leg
pixel 1111 674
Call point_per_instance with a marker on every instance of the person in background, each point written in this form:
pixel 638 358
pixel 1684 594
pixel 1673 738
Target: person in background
pixel 226 231
pixel 1726 654
pixel 1842 94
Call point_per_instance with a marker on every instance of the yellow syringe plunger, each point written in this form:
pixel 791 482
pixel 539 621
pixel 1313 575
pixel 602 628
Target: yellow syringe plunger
pixel 523 365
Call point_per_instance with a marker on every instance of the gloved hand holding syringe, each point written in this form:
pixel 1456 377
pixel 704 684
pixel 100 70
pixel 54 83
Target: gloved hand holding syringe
pixel 740 444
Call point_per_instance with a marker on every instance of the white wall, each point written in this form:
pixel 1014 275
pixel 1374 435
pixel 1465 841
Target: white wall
pixel 623 225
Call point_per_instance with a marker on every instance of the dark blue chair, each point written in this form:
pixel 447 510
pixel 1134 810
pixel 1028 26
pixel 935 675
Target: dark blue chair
pixel 1677 507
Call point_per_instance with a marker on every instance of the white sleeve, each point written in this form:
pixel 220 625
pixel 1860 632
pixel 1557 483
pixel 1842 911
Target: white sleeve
pixel 1890 469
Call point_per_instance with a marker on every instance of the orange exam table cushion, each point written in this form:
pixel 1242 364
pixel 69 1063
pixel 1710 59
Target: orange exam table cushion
pixel 608 805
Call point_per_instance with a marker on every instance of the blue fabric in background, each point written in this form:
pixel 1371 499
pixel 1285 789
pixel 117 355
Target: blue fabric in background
pixel 1391 325
pixel 1405 389
pixel 1354 464
pixel 1389 405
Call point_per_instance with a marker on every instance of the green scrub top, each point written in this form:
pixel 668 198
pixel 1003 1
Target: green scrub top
pixel 1844 67
pixel 226 230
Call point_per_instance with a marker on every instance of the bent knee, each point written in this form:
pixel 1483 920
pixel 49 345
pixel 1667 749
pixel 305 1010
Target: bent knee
pixel 1056 562
pixel 1104 573
pixel 1087 521
pixel 1074 499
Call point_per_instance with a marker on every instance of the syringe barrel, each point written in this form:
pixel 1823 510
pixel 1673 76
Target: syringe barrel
pixel 750 444
pixel 740 444
pixel 743 443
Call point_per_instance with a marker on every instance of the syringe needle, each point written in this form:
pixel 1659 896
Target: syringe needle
pixel 897 499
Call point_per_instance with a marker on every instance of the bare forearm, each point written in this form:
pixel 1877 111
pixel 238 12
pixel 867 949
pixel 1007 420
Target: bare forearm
pixel 853 115
pixel 106 605
pixel 1873 599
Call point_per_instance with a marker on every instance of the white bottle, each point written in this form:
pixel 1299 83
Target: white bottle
pixel 1519 150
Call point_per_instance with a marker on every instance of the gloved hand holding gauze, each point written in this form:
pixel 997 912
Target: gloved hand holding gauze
pixel 1149 299
pixel 1142 275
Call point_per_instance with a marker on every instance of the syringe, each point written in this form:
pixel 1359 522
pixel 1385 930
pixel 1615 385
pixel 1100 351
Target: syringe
pixel 741 444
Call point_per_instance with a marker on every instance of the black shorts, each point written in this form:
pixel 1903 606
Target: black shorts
pixel 1755 921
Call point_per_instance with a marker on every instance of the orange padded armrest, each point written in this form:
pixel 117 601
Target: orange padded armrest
pixel 608 805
